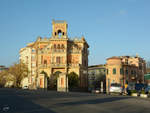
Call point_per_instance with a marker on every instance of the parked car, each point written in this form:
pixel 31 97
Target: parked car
pixel 135 86
pixel 131 87
pixel 116 88
pixel 25 87
pixel 139 87
pixel 97 90
pixel 147 90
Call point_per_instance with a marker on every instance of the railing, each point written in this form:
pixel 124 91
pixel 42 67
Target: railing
pixel 58 50
pixel 43 66
pixel 73 65
pixel 58 65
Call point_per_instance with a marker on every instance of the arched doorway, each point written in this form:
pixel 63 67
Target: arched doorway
pixel 43 79
pixel 53 81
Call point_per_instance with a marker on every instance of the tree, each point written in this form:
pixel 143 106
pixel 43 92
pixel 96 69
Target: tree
pixel 73 80
pixel 19 71
pixel 3 75
pixel 53 79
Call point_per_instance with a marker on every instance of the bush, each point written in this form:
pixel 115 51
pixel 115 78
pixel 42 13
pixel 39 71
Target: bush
pixel 142 92
pixel 133 91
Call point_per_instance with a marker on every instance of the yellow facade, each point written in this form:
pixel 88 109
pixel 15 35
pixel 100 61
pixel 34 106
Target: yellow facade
pixel 124 70
pixel 59 53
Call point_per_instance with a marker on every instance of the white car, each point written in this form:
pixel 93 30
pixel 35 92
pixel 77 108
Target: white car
pixel 115 88
pixel 25 87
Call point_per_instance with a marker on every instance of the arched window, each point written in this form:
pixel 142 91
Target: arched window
pixel 62 46
pixel 60 33
pixel 54 46
pixel 45 62
pixel 58 46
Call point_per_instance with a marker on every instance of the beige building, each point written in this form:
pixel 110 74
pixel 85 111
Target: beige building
pixel 97 77
pixel 57 53
pixel 124 70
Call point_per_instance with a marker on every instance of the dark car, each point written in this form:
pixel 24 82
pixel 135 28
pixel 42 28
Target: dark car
pixel 139 87
pixel 135 86
pixel 131 86
pixel 147 90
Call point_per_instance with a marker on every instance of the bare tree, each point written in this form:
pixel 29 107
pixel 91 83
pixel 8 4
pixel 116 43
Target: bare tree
pixel 19 71
pixel 3 75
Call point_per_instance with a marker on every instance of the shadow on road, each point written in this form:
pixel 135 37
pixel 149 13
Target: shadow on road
pixel 10 102
pixel 94 101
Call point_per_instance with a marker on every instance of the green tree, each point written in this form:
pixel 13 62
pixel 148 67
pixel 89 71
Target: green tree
pixel 53 79
pixel 73 80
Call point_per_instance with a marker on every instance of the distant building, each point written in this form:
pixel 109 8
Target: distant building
pixel 58 53
pixel 96 77
pixel 124 70
pixel 2 68
pixel 147 75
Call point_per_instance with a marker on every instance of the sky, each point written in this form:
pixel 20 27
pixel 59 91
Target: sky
pixel 111 27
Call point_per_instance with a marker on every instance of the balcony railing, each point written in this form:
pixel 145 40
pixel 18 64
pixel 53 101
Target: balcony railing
pixel 73 65
pixel 58 50
pixel 58 65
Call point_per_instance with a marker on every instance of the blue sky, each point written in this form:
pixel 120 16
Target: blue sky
pixel 111 27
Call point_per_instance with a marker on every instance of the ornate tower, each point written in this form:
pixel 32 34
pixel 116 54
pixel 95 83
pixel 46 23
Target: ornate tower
pixel 59 29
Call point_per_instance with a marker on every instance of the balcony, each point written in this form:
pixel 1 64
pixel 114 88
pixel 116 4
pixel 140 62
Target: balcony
pixel 74 51
pixel 58 50
pixel 57 65
pixel 73 65
pixel 43 66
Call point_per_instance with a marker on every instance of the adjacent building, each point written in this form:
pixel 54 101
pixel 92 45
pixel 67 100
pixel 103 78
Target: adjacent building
pixel 59 53
pixel 2 68
pixel 25 57
pixel 125 70
pixel 96 77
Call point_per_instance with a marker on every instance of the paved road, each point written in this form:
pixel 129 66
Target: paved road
pixel 25 101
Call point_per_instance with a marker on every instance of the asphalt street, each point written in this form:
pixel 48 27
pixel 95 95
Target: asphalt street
pixel 27 101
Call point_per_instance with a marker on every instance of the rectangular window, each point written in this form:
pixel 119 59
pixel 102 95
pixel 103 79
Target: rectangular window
pixel 33 50
pixel 45 62
pixel 126 72
pixel 114 70
pixel 121 71
pixel 132 72
pixel 33 64
pixel 58 60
